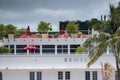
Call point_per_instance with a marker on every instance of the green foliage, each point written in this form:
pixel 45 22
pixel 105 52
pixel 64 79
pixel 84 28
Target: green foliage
pixel 44 27
pixel 72 27
pixel 80 49
pixel 95 23
pixel 79 33
pixel 10 29
pixel 4 50
pixel 114 19
pixel 102 41
pixel 20 31
pixel 2 31
pixel 56 35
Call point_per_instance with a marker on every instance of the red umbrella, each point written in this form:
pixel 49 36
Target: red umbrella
pixel 65 35
pixel 30 48
pixel 34 36
pixel 59 36
pixel 84 36
pixel 62 30
pixel 28 30
pixel 23 36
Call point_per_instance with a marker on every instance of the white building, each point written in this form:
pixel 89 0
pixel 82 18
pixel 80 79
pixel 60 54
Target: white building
pixel 54 59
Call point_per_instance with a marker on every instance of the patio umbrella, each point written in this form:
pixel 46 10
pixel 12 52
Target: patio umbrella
pixel 23 36
pixel 62 30
pixel 30 47
pixel 28 31
pixel 34 36
pixel 84 36
pixel 65 35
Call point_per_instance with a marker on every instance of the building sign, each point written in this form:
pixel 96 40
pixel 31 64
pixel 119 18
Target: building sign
pixel 75 59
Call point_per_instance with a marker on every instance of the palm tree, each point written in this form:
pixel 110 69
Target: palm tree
pixel 102 41
pixel 107 71
pixel 114 19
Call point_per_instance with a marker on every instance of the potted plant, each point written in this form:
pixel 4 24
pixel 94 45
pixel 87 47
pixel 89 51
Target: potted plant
pixel 79 34
pixel 72 29
pixel 43 28
pixel 10 30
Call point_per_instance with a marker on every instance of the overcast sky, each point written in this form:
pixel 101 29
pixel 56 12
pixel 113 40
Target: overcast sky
pixel 22 13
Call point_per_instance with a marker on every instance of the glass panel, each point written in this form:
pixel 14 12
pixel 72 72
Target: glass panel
pixel 39 75
pixel 19 49
pixel 59 46
pixel 87 75
pixel 73 48
pixel 94 75
pixel 48 49
pixel 59 51
pixel 67 75
pixel 60 75
pixel 48 46
pixel 111 49
pixel 65 46
pixel 32 76
pixel 0 75
pixel 65 51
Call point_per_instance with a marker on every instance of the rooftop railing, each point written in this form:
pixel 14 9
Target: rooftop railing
pixel 48 34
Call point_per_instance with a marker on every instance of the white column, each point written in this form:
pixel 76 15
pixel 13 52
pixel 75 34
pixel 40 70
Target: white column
pixel 92 31
pixel 35 75
pixel 55 49
pixel 107 52
pixel 27 51
pixel 68 49
pixel 15 49
pixel 41 49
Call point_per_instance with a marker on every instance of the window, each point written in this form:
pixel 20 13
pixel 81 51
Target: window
pixel 111 49
pixel 19 49
pixel 62 49
pixel 39 75
pixel 32 76
pixel 48 49
pixel 36 75
pixel 38 49
pixel 67 75
pixel 60 75
pixel 73 48
pixel 0 75
pixel 12 48
pixel 87 75
pixel 94 75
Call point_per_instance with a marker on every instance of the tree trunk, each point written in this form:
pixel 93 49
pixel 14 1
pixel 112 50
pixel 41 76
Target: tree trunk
pixel 118 69
pixel 119 74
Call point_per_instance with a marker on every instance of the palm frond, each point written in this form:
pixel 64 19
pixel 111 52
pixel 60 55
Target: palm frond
pixel 113 40
pixel 117 33
pixel 90 40
pixel 103 37
pixel 96 52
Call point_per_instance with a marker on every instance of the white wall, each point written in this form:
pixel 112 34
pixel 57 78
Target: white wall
pixel 15 75
pixel 49 74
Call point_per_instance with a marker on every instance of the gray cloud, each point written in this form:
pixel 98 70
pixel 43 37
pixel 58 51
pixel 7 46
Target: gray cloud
pixel 30 12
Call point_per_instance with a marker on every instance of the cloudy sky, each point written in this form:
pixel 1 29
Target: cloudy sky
pixel 22 13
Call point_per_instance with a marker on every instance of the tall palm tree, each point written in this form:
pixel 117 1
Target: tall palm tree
pixel 114 19
pixel 101 42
